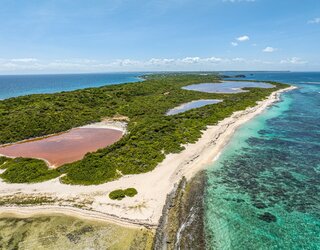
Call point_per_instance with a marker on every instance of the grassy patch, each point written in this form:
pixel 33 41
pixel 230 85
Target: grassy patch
pixel 119 194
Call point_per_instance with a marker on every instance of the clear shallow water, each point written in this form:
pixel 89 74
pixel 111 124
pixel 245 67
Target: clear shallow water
pixel 192 105
pixel 263 192
pixel 226 86
pixel 64 232
pixel 17 85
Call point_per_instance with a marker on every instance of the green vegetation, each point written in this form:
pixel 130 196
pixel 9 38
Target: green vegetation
pixel 131 192
pixel 119 194
pixel 4 160
pixel 20 170
pixel 151 133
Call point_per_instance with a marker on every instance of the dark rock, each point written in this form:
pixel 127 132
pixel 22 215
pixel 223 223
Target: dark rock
pixel 260 205
pixel 268 217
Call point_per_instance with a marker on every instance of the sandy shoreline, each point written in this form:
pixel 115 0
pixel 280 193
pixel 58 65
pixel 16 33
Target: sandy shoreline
pixel 145 209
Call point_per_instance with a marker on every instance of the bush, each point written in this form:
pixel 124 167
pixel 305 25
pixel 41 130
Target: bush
pixel 119 194
pixel 130 192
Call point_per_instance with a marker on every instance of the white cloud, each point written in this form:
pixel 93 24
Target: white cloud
pixel 161 61
pixel 243 38
pixel 213 59
pixel 24 60
pixel 293 60
pixel 234 44
pixel 128 62
pixel 269 49
pixel 190 63
pixel 238 59
pixel 315 20
pixel 191 59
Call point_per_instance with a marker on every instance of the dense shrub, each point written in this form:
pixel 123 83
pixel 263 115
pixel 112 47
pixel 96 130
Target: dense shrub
pixel 130 192
pixel 25 170
pixel 119 194
pixel 3 160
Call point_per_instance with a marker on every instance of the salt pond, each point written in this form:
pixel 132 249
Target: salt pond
pixel 65 147
pixel 192 105
pixel 227 86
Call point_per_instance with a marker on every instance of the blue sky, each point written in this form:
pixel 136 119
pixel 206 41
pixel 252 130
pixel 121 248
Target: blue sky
pixel 56 36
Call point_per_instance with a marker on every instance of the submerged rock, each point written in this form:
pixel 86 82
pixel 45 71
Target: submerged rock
pixel 268 217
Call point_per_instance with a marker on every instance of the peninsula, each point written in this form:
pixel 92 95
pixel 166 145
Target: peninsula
pixel 154 153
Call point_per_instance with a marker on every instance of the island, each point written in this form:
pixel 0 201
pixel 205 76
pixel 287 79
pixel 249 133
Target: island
pixel 130 180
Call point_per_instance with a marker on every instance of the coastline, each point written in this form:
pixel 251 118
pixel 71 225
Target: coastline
pixel 145 209
pixel 181 225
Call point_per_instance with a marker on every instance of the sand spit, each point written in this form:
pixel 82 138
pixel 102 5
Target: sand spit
pixel 144 209
pixel 109 124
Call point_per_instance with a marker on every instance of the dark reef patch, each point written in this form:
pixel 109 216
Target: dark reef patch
pixel 268 217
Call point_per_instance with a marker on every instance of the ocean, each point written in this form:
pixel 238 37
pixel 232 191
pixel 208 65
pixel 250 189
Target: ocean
pixel 264 190
pixel 17 85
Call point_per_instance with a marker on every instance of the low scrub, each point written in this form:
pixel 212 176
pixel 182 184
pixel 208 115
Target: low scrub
pixel 4 160
pixel 25 170
pixel 119 194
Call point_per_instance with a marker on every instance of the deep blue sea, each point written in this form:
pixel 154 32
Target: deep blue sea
pixel 264 190
pixel 17 85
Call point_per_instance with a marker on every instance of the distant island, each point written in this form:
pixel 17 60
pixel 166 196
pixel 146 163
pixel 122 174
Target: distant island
pixel 233 76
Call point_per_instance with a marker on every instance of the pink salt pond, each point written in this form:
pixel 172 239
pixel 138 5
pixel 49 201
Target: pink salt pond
pixel 66 147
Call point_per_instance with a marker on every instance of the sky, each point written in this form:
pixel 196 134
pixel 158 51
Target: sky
pixel 68 36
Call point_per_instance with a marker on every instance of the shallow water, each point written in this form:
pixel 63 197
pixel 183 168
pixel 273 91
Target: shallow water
pixel 226 86
pixel 64 232
pixel 191 105
pixel 65 147
pixel 263 192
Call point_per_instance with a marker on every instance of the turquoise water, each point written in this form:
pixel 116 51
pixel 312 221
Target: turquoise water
pixel 264 190
pixel 227 86
pixel 17 85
